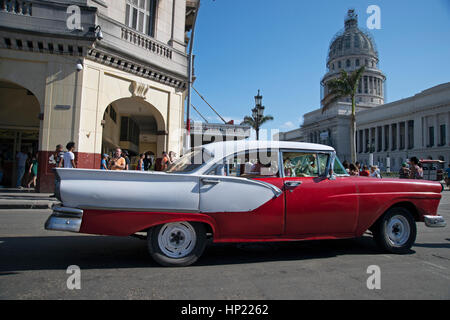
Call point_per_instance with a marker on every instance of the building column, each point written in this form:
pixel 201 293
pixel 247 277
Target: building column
pixel 407 135
pixel 376 140
pixel 383 140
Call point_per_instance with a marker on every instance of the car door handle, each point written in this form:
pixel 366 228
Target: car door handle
pixel 210 181
pixel 292 184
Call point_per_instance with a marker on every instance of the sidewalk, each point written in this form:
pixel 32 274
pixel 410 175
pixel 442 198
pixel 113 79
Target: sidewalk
pixel 12 198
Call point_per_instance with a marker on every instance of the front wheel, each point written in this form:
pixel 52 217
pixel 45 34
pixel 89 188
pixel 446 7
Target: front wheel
pixel 177 244
pixel 395 231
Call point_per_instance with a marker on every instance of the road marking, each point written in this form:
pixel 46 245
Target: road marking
pixel 435 265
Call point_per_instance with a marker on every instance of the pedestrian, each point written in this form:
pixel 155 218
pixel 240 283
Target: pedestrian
pixel 33 171
pixel 404 173
pixel 374 172
pixel 127 160
pixel 69 156
pixel 415 171
pixel 346 165
pixel 358 165
pixel 140 165
pixel 21 163
pixel 147 162
pixel 353 170
pixel 172 157
pixel 57 159
pixel 104 163
pixel 117 162
pixel 165 161
pixel 447 179
pixel 365 171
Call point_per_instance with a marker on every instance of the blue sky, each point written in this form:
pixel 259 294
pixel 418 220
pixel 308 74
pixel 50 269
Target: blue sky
pixel 281 47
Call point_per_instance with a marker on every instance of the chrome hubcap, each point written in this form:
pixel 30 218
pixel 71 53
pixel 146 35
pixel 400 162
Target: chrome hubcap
pixel 398 230
pixel 177 240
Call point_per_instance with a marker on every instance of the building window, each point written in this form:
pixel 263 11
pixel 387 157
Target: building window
pixel 442 135
pixel 129 130
pixel 339 64
pixel 411 134
pixel 113 114
pixel 332 66
pixel 357 62
pixel 347 42
pixel 402 135
pixel 394 136
pixel 366 85
pixel 348 63
pixel 361 141
pixel 366 142
pixel 430 137
pixel 140 15
pixel 386 138
pixel 380 138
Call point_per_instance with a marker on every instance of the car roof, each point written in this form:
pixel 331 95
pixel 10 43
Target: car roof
pixel 230 147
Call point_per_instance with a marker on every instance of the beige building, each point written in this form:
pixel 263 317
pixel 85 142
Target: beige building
pixel 101 73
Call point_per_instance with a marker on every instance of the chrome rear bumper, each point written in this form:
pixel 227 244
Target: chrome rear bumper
pixel 435 221
pixel 65 219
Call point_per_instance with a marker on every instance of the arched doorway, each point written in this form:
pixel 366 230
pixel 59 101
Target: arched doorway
pixel 133 125
pixel 20 115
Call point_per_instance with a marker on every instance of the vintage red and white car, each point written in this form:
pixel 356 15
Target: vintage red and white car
pixel 244 191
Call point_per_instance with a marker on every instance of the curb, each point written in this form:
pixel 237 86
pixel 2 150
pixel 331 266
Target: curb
pixel 27 205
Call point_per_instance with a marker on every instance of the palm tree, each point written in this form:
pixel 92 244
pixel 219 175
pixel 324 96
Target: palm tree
pixel 256 122
pixel 344 86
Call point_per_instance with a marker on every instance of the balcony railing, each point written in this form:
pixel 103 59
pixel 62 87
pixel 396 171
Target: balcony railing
pixel 145 42
pixel 17 7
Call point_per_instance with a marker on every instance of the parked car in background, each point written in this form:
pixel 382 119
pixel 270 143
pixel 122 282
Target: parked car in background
pixel 243 191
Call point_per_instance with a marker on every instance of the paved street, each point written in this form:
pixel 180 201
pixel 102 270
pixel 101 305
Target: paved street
pixel 33 265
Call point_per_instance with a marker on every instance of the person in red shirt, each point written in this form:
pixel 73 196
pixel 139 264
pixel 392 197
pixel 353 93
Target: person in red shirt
pixel 365 171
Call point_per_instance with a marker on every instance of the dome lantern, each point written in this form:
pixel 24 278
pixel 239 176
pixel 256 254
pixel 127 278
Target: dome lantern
pixel 351 20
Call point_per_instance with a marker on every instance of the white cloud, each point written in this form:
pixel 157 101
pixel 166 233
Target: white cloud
pixel 288 125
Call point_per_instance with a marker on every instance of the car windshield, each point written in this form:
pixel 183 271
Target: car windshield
pixel 190 161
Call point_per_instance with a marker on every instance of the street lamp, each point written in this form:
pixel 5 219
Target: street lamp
pixel 258 113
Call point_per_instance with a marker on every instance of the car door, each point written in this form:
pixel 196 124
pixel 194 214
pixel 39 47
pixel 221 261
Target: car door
pixel 316 204
pixel 246 200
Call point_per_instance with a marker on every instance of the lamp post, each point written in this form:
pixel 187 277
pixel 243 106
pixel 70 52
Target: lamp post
pixel 258 113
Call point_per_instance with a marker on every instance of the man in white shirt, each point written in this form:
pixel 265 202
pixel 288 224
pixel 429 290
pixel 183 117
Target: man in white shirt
pixel 69 157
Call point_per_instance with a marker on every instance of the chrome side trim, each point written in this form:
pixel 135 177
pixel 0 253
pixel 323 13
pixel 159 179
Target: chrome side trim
pixel 435 221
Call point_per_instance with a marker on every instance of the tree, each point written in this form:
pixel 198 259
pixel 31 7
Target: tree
pixel 256 122
pixel 345 86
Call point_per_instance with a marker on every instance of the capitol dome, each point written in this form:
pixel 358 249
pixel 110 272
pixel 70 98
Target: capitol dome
pixel 350 49
pixel 352 40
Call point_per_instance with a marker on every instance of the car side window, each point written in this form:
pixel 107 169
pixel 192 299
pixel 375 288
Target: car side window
pixel 253 164
pixel 339 168
pixel 301 164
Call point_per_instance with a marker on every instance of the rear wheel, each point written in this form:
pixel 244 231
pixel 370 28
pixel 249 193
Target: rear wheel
pixel 395 231
pixel 177 244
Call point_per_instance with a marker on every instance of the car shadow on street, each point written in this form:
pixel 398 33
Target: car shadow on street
pixel 99 252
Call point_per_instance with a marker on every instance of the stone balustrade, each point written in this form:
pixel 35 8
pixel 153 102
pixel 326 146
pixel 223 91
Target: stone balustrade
pixel 145 42
pixel 17 7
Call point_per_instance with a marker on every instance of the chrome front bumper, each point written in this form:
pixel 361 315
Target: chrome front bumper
pixel 435 221
pixel 65 219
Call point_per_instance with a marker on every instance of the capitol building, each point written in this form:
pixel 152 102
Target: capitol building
pixel 388 133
